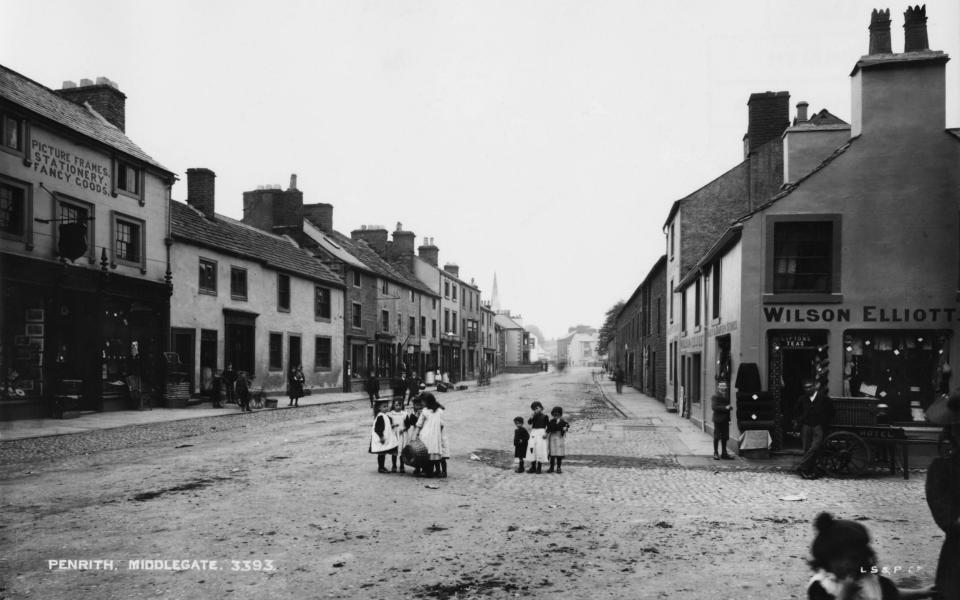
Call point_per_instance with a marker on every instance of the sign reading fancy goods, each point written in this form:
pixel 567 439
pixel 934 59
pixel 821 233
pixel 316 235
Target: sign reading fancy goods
pixel 866 314
pixel 56 163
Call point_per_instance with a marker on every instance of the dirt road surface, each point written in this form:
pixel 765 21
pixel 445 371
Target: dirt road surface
pixel 290 505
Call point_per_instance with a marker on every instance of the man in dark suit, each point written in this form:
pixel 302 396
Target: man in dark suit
pixel 814 412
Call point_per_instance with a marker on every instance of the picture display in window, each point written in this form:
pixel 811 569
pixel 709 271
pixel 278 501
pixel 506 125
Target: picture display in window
pixel 276 352
pixel 321 307
pixel 12 209
pixel 322 352
pixel 238 283
pixel 12 133
pixel 283 292
pixel 803 256
pixel 128 241
pixel 356 316
pixel 208 277
pixel 128 178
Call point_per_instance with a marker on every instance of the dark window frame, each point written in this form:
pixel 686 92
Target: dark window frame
pixel 61 202
pixel 385 320
pixel 356 319
pixel 283 292
pixel 318 353
pixel 275 354
pixel 118 219
pixel 235 278
pixel 128 179
pixel 322 303
pixel 831 295
pixel 715 286
pixel 356 278
pixel 25 190
pixel 207 275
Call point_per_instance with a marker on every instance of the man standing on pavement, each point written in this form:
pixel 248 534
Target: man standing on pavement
pixel 618 378
pixel 815 412
pixel 371 386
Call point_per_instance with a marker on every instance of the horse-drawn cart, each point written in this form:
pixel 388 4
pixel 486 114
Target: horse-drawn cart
pixel 861 437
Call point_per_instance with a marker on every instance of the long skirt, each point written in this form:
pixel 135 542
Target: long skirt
pixel 537 446
pixel 556 444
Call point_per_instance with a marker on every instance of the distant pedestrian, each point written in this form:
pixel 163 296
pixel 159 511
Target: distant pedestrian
pixel 382 439
pixel 556 435
pixel 398 386
pixel 243 391
pixel 815 410
pixel 371 385
pixel 537 447
pixel 720 403
pixel 413 388
pixel 943 493
pixel 618 379
pixel 295 385
pixel 230 383
pixel 520 438
pixel 397 421
pixel 430 432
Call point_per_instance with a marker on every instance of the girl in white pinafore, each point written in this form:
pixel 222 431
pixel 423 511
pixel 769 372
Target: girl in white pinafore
pixel 382 439
pixel 537 446
pixel 430 431
pixel 398 417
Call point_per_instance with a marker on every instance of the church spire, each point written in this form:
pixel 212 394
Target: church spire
pixel 495 296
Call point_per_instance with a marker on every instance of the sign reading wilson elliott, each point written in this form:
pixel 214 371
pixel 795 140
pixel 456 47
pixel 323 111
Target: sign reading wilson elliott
pixel 868 314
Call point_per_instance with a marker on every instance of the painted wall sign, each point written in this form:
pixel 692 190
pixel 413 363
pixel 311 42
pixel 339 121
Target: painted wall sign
pixel 723 328
pixel 694 341
pixel 867 314
pixel 54 162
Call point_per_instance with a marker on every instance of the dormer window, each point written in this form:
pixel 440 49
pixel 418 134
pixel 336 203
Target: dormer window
pixel 128 179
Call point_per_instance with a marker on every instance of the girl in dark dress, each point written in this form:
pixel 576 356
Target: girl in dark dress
pixel 537 446
pixel 556 439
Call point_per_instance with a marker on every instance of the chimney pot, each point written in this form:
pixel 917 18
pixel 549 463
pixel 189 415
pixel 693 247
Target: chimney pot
pixel 293 181
pixel 69 85
pixel 880 32
pixel 85 82
pixel 915 29
pixel 802 112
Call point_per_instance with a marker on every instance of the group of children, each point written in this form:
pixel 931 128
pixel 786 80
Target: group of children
pixel 395 429
pixel 546 439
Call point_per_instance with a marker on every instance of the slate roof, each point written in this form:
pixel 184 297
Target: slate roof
pixel 377 264
pixel 84 120
pixel 506 322
pixel 233 237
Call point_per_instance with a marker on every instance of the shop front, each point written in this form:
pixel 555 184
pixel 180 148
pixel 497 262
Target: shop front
pixel 92 335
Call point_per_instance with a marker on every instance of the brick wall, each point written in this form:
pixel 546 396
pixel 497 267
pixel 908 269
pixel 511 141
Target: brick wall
pixel 707 213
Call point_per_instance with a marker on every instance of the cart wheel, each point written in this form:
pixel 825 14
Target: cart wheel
pixel 844 453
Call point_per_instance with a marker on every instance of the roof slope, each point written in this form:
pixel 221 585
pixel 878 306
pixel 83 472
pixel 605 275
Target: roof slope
pixel 376 263
pixel 81 119
pixel 235 238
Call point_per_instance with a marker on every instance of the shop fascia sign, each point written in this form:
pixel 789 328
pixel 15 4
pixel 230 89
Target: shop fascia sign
pixel 868 313
pixel 53 161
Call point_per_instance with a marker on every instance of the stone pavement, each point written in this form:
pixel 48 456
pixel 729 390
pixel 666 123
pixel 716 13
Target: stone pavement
pixel 692 446
pixel 78 422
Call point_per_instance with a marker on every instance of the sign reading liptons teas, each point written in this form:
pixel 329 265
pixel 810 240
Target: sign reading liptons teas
pixel 54 162
pixel 867 313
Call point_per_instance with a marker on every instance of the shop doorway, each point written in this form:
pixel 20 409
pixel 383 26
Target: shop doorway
pixel 208 359
pixel 240 347
pixel 795 356
pixel 182 343
pixel 692 387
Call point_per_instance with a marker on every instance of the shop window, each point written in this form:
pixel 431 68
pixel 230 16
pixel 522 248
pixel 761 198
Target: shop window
pixel 804 255
pixel 128 241
pixel 385 320
pixel 238 283
pixel 208 277
pixel 15 210
pixel 128 178
pixel 13 130
pixel 276 352
pixel 322 352
pixel 283 292
pixel 903 369
pixel 321 307
pixel 356 316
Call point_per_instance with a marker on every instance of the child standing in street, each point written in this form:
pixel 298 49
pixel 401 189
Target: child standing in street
pixel 398 421
pixel 410 425
pixel 520 439
pixel 537 447
pixel 556 434
pixel 382 439
pixel 430 432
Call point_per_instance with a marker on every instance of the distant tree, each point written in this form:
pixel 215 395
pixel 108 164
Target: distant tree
pixel 609 328
pixel 582 329
pixel 536 331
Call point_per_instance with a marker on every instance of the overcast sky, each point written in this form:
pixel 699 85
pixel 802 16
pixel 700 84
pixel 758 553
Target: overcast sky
pixel 541 140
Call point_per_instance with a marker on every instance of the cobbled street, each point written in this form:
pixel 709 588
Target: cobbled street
pixel 634 514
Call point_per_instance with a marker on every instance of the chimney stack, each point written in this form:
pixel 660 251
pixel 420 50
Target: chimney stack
pixel 453 269
pixel 374 235
pixel 200 190
pixel 293 181
pixel 768 117
pixel 320 214
pixel 103 96
pixel 802 111
pixel 880 32
pixel 403 243
pixel 429 252
pixel 915 29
